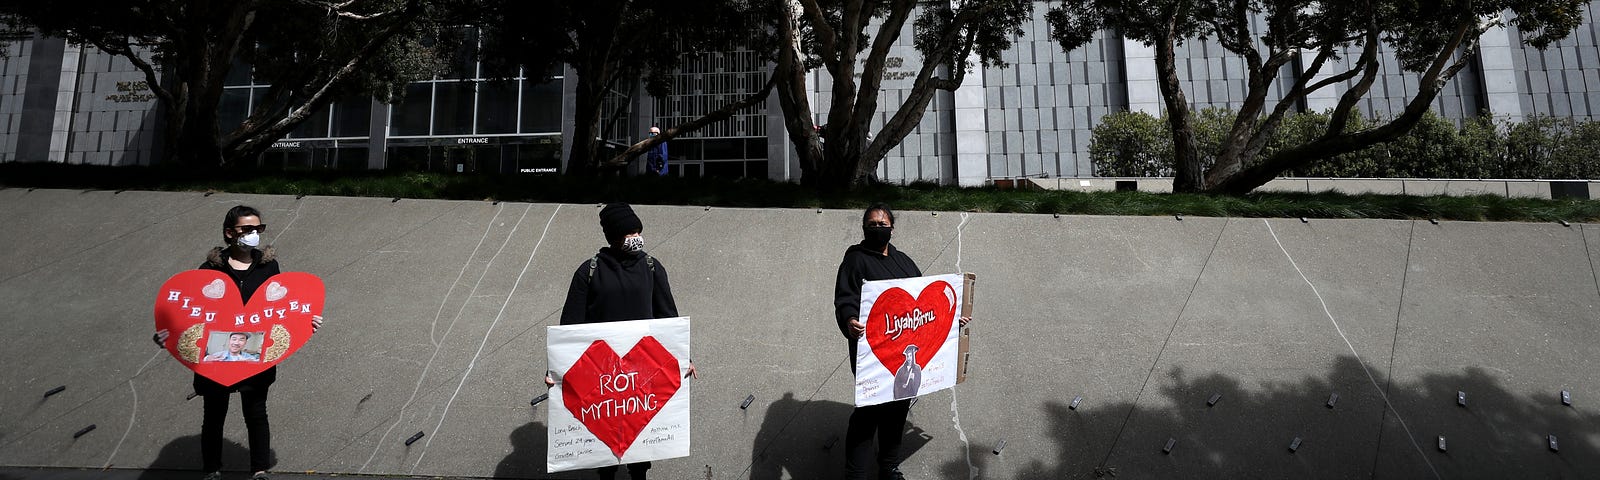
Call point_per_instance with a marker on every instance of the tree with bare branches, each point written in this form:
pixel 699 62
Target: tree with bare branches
pixel 850 41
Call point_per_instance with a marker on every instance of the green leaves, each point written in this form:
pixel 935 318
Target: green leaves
pixel 1134 144
pixel 1131 144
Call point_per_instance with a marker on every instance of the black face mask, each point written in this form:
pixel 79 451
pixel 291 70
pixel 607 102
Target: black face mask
pixel 876 238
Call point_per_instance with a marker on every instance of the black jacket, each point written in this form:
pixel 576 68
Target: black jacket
pixel 621 286
pixel 863 264
pixel 264 265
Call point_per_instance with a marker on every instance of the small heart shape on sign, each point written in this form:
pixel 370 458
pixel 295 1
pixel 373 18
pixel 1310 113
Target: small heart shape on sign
pixel 227 340
pixel 215 290
pixel 616 397
pixel 276 292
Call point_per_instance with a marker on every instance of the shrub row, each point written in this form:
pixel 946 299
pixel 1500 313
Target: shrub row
pixel 1136 144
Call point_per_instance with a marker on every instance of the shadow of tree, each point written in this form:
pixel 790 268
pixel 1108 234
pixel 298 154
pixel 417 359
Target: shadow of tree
pixel 1248 432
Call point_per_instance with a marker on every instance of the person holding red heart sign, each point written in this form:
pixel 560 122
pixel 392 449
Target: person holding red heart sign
pixel 249 267
pixel 619 283
pixel 872 259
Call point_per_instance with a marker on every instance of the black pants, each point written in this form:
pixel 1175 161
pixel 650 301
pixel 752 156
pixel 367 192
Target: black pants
pixel 253 400
pixel 887 422
pixel 635 471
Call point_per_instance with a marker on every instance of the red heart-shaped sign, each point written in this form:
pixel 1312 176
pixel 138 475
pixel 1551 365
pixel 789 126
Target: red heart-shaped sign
pixel 615 398
pixel 217 335
pixel 898 321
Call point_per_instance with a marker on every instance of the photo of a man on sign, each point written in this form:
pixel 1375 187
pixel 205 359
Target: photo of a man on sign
pixel 235 347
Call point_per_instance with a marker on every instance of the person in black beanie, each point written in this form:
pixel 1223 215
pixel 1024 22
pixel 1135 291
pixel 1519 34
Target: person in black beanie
pixel 619 283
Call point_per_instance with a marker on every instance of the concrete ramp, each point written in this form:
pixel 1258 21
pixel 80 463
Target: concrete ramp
pixel 436 314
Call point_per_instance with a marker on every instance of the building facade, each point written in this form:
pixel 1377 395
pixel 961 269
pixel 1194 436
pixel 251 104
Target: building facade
pixel 1032 118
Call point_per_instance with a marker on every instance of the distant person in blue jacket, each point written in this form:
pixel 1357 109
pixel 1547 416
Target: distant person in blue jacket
pixel 656 159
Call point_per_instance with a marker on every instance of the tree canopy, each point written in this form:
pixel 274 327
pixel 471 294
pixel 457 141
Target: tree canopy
pixel 849 40
pixel 309 51
pixel 609 45
pixel 1432 39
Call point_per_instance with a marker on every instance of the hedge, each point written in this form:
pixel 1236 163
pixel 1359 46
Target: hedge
pixel 1136 144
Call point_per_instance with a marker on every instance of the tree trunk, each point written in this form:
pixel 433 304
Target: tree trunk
pixel 207 50
pixel 590 99
pixel 1189 173
pixel 789 78
pixel 196 141
pixel 841 173
pixel 596 74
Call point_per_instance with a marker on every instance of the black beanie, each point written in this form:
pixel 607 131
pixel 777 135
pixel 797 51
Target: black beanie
pixel 618 220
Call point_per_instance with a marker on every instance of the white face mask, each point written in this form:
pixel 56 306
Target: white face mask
pixel 633 244
pixel 251 240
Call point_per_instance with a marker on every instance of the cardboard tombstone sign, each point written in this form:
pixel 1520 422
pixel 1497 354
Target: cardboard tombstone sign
pixel 621 395
pixel 910 345
pixel 221 337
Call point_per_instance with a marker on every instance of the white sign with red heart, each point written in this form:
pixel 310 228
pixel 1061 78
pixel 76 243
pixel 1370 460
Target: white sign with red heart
pixel 620 395
pixel 909 348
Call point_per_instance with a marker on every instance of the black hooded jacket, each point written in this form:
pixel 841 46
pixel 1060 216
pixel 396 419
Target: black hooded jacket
pixel 621 286
pixel 264 265
pixel 863 264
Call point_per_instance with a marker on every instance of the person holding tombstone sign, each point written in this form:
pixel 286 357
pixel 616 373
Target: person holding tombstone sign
pixel 874 259
pixel 249 267
pixel 621 282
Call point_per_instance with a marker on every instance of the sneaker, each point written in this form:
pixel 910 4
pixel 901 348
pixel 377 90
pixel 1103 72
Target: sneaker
pixel 893 473
pixel 260 476
pixel 212 476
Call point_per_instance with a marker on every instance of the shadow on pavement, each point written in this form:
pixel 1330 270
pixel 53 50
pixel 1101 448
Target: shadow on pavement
pixel 528 452
pixel 806 440
pixel 180 458
pixel 1499 434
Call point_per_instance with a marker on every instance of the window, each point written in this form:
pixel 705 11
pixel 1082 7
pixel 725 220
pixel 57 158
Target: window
pixel 497 107
pixel 541 107
pixel 352 117
pixel 235 106
pixel 314 126
pixel 452 108
pixel 407 158
pixel 410 117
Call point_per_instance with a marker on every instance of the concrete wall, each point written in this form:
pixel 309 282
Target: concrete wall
pixel 13 88
pixel 436 315
pixel 1585 189
pixel 1564 79
pixel 117 118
